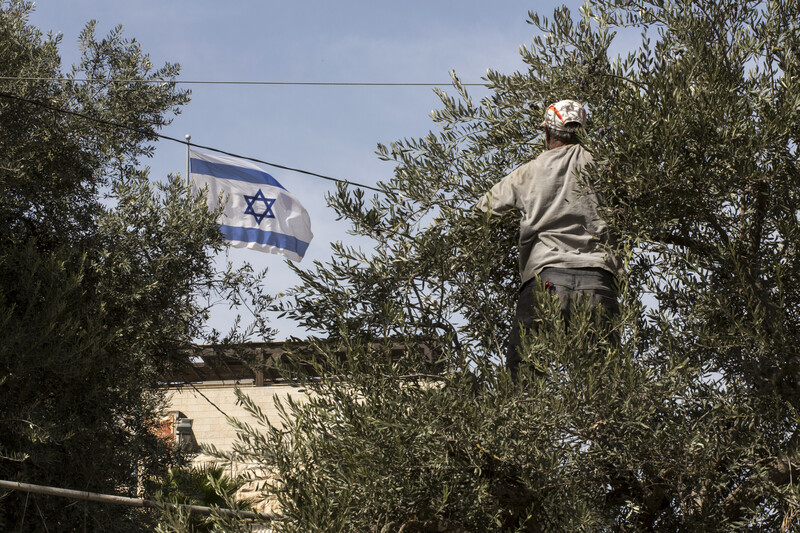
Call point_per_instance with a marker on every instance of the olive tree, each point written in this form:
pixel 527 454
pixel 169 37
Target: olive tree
pixel 682 416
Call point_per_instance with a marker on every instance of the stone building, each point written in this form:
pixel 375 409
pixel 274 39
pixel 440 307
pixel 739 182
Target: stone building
pixel 201 397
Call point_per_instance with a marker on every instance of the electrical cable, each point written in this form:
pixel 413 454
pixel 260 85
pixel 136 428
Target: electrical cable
pixel 184 142
pixel 242 82
pixel 206 398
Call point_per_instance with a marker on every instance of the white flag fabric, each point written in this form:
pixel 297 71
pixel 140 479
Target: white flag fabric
pixel 259 212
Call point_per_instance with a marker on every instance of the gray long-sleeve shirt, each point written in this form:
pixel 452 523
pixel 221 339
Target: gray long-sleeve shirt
pixel 560 226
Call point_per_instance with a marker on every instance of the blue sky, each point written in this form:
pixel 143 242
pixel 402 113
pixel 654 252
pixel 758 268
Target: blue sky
pixel 328 130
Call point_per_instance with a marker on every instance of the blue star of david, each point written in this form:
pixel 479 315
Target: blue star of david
pixel 259 197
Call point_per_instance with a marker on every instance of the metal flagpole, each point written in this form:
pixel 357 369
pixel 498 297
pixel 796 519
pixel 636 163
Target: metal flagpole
pixel 134 502
pixel 188 157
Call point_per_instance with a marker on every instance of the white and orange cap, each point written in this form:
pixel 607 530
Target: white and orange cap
pixel 566 115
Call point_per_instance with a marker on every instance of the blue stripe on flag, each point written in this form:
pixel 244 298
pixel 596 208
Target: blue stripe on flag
pixel 271 238
pixel 233 172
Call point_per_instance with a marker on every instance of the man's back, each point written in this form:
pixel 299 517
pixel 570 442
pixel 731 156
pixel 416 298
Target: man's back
pixel 560 226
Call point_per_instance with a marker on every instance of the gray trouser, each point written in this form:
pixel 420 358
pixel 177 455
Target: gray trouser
pixel 596 284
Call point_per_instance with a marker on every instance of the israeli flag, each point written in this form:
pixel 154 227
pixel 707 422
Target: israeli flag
pixel 259 212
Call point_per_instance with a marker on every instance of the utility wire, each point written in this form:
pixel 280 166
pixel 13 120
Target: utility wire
pixel 181 141
pixel 235 82
pixel 206 398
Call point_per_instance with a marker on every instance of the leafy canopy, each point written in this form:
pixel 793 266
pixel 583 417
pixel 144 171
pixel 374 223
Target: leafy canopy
pixel 106 277
pixel 687 424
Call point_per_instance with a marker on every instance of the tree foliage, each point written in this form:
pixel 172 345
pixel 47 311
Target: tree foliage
pixel 689 423
pixel 106 276
pixel 207 486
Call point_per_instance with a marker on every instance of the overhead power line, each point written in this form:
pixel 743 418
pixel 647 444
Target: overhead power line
pixel 242 82
pixel 181 141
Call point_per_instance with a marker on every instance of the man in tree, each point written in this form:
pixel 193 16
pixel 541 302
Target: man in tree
pixel 562 240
